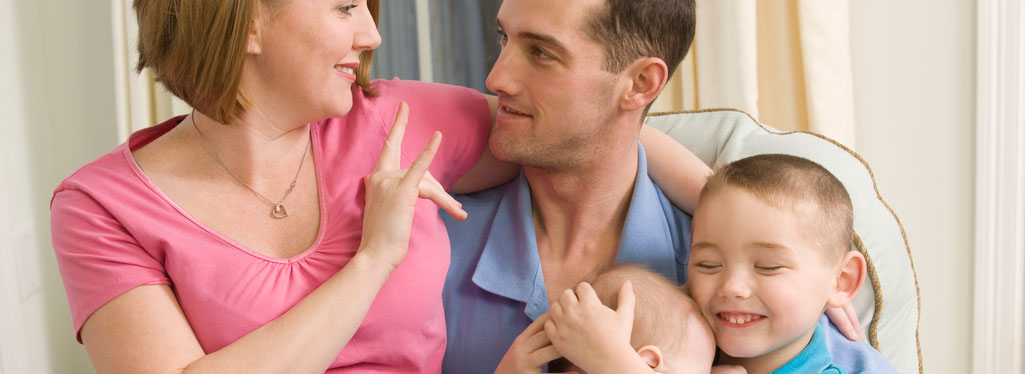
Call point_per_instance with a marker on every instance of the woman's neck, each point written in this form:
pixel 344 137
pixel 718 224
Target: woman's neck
pixel 255 148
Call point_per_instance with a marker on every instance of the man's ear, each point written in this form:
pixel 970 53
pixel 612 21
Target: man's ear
pixel 849 279
pixel 652 356
pixel 647 77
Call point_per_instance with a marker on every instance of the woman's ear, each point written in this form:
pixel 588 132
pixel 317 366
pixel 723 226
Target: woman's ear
pixel 849 279
pixel 652 356
pixel 647 77
pixel 253 40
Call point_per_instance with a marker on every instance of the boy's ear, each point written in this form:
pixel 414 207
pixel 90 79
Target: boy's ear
pixel 652 356
pixel 849 279
pixel 647 77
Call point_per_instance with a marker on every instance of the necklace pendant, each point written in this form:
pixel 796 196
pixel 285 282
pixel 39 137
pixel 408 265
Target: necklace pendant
pixel 279 211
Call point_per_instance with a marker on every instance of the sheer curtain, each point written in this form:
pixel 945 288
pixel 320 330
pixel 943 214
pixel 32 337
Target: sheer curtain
pixel 396 57
pixel 463 46
pixel 787 63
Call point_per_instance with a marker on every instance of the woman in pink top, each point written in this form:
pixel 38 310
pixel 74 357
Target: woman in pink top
pixel 236 239
pixel 244 237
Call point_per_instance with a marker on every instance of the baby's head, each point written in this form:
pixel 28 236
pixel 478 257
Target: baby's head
pixel 669 332
pixel 771 248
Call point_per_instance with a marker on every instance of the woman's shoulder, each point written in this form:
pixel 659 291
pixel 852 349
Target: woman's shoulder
pixel 404 86
pixel 116 169
pixel 411 91
pixel 108 168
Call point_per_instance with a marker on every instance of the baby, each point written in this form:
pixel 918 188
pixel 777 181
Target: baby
pixel 668 334
pixel 771 248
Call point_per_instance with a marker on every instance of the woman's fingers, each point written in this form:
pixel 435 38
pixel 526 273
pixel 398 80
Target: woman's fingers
pixel 392 149
pixel 432 190
pixel 416 172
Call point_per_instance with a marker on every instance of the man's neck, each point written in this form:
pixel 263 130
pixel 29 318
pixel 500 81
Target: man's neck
pixel 581 212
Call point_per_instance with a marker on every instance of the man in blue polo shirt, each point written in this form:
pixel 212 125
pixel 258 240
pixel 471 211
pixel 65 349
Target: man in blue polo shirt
pixel 574 81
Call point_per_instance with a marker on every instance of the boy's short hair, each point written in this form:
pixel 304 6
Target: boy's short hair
pixel 785 182
pixel 664 315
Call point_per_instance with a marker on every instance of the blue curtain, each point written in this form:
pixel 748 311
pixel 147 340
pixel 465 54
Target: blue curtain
pixel 463 42
pixel 397 55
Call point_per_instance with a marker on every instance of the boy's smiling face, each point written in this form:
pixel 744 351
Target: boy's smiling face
pixel 757 275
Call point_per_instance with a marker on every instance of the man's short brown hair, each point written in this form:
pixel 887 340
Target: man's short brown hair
pixel 197 49
pixel 784 181
pixel 635 29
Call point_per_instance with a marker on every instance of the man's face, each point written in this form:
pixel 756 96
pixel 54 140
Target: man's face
pixel 556 100
pixel 757 275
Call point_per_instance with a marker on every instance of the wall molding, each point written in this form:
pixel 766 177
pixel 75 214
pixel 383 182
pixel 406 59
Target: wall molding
pixel 999 306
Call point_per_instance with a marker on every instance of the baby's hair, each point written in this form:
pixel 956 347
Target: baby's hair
pixel 791 182
pixel 664 315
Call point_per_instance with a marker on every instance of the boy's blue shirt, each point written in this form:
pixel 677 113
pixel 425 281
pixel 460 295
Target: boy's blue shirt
pixel 815 358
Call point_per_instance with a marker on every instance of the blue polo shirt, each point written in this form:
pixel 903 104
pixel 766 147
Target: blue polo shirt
pixel 495 287
pixel 815 358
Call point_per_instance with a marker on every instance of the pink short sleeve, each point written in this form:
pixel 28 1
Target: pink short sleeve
pixel 98 259
pixel 461 114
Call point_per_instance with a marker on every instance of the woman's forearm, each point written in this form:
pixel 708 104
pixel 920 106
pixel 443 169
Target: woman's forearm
pixel 308 337
pixel 675 169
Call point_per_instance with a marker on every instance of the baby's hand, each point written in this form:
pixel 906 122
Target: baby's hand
pixel 591 335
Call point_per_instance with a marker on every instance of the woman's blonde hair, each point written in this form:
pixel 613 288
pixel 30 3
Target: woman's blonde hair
pixel 197 49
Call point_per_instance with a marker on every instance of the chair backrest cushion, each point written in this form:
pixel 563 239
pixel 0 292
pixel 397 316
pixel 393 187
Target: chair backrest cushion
pixel 888 304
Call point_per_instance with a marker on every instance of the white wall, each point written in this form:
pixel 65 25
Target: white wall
pixel 914 86
pixel 56 112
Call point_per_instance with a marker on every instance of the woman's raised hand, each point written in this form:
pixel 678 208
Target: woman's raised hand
pixel 392 192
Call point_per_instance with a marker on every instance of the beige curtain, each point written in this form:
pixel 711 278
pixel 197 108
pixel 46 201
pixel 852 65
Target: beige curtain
pixel 786 62
pixel 141 101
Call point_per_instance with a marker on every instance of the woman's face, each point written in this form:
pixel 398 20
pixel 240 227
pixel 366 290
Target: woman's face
pixel 303 55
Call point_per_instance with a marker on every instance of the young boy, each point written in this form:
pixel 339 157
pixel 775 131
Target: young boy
pixel 770 250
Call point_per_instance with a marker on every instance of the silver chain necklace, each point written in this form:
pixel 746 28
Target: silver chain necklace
pixel 279 210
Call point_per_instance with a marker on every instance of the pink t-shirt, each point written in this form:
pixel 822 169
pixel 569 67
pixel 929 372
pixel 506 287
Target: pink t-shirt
pixel 114 230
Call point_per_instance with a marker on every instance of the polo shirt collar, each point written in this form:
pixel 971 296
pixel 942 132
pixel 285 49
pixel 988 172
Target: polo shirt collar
pixel 814 358
pixel 509 265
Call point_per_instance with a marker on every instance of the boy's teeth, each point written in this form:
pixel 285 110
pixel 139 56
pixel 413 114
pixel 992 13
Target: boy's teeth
pixel 739 319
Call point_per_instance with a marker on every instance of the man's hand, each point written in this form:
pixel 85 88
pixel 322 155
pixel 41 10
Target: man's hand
pixel 531 350
pixel 592 336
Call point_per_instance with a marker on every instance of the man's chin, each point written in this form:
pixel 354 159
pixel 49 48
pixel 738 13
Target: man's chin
pixel 506 150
